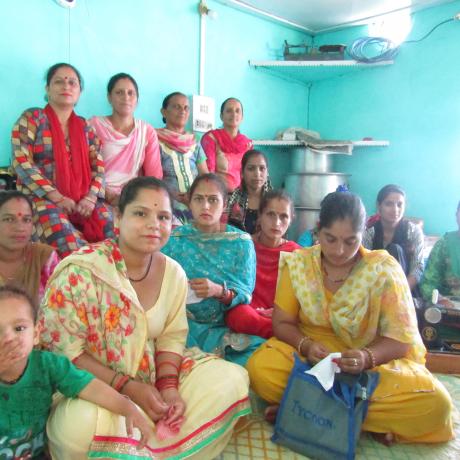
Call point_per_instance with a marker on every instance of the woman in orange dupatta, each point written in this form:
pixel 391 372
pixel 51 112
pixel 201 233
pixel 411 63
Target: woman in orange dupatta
pixel 57 160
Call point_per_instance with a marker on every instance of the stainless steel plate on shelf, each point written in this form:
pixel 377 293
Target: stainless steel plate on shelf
pixel 308 189
pixel 305 160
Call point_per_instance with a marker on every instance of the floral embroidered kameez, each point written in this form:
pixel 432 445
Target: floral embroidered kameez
pixel 90 306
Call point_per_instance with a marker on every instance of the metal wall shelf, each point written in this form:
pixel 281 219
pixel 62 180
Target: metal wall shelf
pixel 307 72
pixel 281 143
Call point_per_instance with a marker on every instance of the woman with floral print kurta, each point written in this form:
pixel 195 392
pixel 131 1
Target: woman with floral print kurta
pixel 339 297
pixel 117 309
pixel 57 160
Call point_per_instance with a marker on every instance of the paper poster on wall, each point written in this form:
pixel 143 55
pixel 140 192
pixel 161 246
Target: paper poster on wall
pixel 203 113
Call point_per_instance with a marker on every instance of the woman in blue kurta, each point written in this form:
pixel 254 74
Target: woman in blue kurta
pixel 220 262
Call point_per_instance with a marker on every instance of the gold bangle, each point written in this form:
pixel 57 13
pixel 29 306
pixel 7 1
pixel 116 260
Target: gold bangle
pixel 371 357
pixel 301 342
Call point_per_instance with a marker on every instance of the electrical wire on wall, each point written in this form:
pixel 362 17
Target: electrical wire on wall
pixel 359 49
pixel 388 50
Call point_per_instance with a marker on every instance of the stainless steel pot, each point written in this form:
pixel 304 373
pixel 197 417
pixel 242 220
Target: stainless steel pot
pixel 305 219
pixel 308 189
pixel 305 160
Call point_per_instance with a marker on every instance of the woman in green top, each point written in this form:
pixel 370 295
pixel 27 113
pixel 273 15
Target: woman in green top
pixel 443 268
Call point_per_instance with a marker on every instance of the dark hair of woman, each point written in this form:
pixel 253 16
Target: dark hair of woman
pixel 54 68
pixel 246 157
pixel 13 292
pixel 276 194
pixel 7 195
pixel 222 107
pixel 121 76
pixel 134 186
pixel 390 188
pixel 168 98
pixel 209 177
pixel 340 206
pixel 401 233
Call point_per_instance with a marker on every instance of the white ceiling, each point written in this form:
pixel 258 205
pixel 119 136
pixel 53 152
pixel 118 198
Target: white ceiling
pixel 315 16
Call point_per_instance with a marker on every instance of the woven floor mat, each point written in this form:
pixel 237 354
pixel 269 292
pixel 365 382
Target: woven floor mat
pixel 251 439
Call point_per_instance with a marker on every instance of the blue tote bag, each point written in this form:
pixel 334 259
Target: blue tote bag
pixel 321 424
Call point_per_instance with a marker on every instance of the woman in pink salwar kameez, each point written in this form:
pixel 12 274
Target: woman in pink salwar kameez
pixel 129 146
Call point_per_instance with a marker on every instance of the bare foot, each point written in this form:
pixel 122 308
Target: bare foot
pixel 388 439
pixel 270 413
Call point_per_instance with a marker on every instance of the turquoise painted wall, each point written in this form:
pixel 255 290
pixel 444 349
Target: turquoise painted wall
pixel 415 104
pixel 158 43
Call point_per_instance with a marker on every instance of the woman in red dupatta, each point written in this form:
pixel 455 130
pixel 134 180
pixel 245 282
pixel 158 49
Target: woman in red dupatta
pixel 57 160
pixel 225 147
pixel 275 215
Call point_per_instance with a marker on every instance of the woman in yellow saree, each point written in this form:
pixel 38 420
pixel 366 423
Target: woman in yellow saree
pixel 117 309
pixel 339 297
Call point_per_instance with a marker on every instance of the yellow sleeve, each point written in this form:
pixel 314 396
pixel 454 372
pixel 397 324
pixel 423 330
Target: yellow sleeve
pixel 398 319
pixel 174 334
pixel 285 297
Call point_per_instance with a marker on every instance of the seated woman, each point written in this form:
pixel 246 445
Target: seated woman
pixel 243 204
pixel 117 309
pixel 22 263
pixel 220 263
pixel 225 147
pixel 442 271
pixel 56 158
pixel 182 157
pixel 400 237
pixel 275 215
pixel 129 146
pixel 339 297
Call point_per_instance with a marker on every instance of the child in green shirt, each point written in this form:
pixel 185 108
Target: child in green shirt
pixel 29 378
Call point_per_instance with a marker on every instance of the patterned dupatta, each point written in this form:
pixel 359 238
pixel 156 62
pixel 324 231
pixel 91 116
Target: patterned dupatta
pixel 90 306
pixel 181 143
pixel 238 203
pixel 357 311
pixel 223 256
